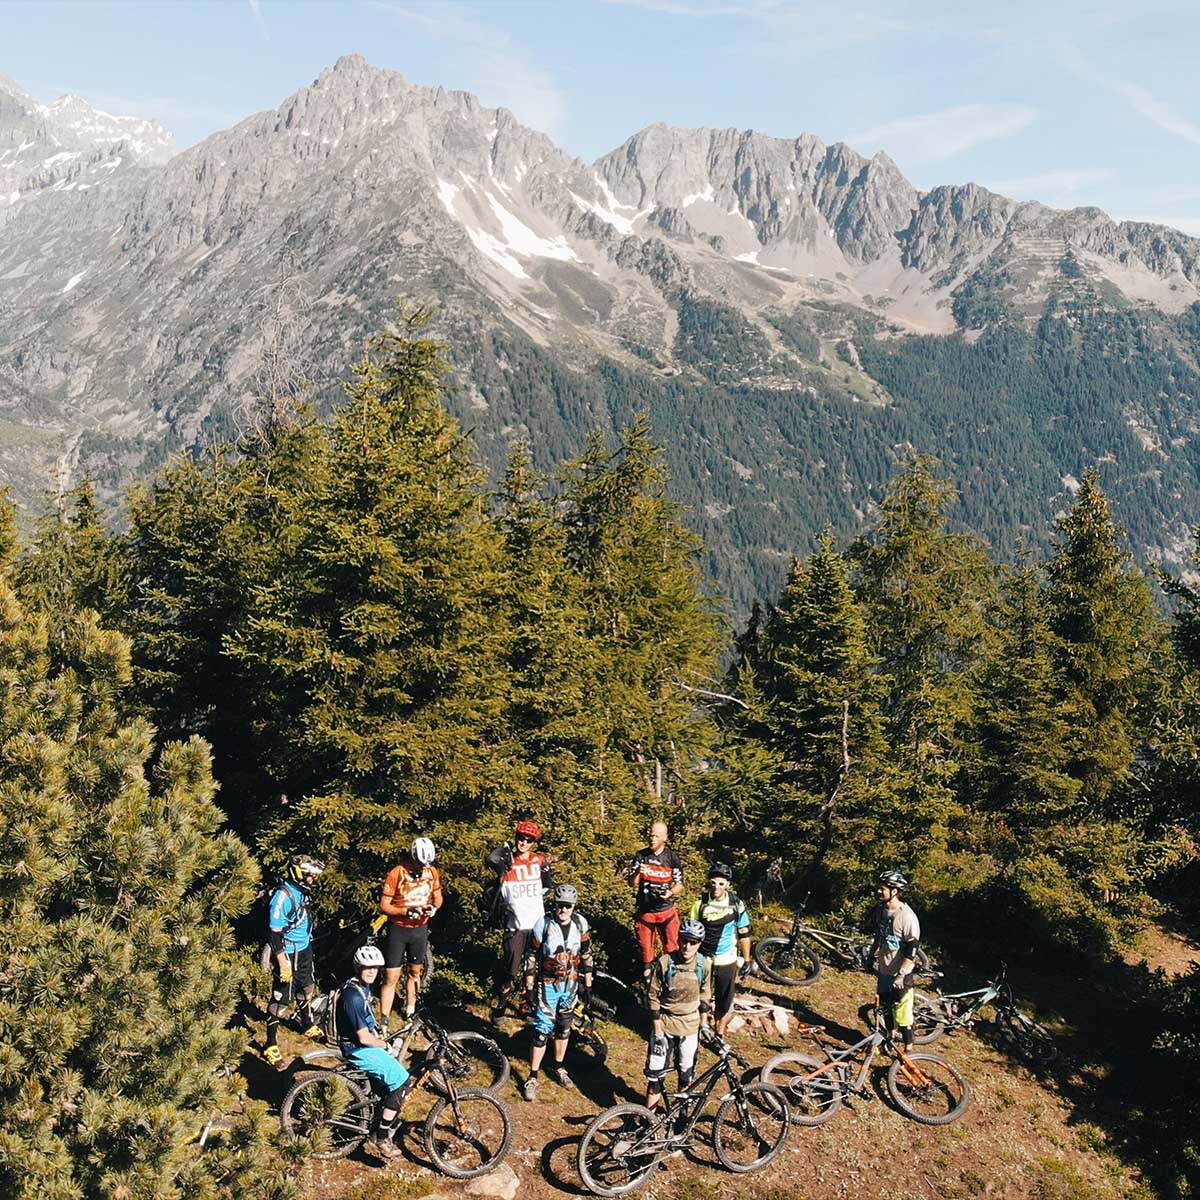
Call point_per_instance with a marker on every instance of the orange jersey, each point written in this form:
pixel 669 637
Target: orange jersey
pixel 413 894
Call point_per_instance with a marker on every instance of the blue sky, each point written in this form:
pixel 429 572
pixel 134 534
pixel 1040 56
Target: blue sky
pixel 1074 102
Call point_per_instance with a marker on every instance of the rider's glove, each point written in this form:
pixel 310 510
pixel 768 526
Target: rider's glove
pixel 705 1007
pixel 285 972
pixel 746 970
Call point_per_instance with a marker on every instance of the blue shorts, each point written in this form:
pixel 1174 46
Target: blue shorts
pixel 555 1011
pixel 383 1069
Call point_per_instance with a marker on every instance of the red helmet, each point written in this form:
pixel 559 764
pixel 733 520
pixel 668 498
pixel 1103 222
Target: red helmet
pixel 529 829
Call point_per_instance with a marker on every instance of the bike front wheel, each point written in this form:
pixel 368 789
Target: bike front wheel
pixel 468 1134
pixel 330 1109
pixel 787 961
pixel 928 1089
pixel 619 1150
pixel 929 1021
pixel 751 1126
pixel 812 1101
pixel 472 1061
pixel 1033 1043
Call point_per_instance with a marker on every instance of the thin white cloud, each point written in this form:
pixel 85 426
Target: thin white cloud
pixel 931 137
pixel 1053 185
pixel 1143 101
pixel 259 19
pixel 499 69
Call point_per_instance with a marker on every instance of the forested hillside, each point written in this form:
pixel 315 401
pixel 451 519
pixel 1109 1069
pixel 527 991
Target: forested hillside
pixel 373 644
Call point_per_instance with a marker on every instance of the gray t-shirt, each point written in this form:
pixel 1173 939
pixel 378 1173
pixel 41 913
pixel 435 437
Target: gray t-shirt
pixel 892 930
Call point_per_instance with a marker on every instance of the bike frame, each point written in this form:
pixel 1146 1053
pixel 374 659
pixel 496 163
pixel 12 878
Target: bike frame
pixel 868 1048
pixel 979 999
pixel 688 1105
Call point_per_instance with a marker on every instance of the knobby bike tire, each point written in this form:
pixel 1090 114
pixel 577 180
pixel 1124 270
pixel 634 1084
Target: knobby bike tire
pixel 941 1101
pixel 755 1121
pixel 473 1061
pixel 812 1102
pixel 608 1161
pixel 468 1135
pixel 929 1020
pixel 1034 1044
pixel 332 1102
pixel 787 962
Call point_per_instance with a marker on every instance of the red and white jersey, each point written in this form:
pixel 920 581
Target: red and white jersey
pixel 523 888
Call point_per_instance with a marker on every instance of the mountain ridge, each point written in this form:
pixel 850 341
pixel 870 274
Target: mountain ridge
pixel 139 295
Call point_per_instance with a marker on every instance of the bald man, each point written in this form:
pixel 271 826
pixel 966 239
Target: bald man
pixel 657 873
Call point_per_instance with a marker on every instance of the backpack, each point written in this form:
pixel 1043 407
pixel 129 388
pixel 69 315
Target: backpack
pixel 325 1010
pixel 669 973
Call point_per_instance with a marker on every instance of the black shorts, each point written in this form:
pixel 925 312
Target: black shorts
pixel 724 980
pixel 516 941
pixel 406 946
pixel 302 976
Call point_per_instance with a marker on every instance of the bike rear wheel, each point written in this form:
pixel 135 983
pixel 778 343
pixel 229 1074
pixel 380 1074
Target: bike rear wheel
pixel 1033 1043
pixel 332 1110
pixel 473 1061
pixel 928 1089
pixel 787 961
pixel 619 1150
pixel 929 1020
pixel 812 1101
pixel 468 1134
pixel 751 1126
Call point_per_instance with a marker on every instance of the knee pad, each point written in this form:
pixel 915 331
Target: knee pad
pixel 276 1009
pixel 540 1038
pixel 395 1100
pixel 685 1077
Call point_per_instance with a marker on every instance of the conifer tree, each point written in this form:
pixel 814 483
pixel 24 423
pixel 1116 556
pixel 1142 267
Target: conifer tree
pixel 813 701
pixel 1103 613
pixel 379 640
pixel 654 625
pixel 926 591
pixel 118 970
pixel 72 562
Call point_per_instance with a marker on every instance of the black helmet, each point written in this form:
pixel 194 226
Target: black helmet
pixel 893 879
pixel 721 870
pixel 304 869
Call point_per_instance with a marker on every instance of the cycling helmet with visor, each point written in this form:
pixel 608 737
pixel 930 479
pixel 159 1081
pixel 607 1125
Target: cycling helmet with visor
pixel 691 931
pixel 304 869
pixel 368 956
pixel 423 851
pixel 893 879
pixel 530 830
pixel 565 894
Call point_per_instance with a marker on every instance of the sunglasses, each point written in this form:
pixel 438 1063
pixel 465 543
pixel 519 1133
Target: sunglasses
pixel 561 905
pixel 522 838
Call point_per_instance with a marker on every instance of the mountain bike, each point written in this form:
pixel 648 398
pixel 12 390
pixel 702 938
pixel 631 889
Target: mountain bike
pixel 792 961
pixel 472 1059
pixel 622 1146
pixel 467 1133
pixel 923 1086
pixel 586 1035
pixel 934 1015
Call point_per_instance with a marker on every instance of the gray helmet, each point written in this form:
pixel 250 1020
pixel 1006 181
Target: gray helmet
pixel 692 929
pixel 565 893
pixel 893 879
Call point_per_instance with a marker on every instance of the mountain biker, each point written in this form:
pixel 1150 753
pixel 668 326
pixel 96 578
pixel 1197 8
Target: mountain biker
pixel 679 992
pixel 897 936
pixel 523 879
pixel 559 951
pixel 657 873
pixel 411 894
pixel 726 938
pixel 289 933
pixel 363 1046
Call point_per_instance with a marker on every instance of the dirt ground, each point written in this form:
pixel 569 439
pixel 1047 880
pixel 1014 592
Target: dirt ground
pixel 1055 1136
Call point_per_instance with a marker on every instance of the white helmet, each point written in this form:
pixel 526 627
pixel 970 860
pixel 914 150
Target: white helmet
pixel 368 956
pixel 423 851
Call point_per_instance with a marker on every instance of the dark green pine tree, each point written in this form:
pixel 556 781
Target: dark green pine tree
pixel 1110 635
pixel 926 592
pixel 554 728
pixel 119 975
pixel 72 561
pixel 380 640
pixel 814 702
pixel 654 625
